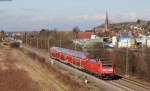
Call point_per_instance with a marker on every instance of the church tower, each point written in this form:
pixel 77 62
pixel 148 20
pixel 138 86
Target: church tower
pixel 106 23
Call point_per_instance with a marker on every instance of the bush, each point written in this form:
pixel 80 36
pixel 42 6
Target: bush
pixel 15 45
pixel 138 66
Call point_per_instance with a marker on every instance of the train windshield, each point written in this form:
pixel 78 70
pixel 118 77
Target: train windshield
pixel 107 65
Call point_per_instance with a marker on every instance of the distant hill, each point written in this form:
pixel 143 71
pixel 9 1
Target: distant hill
pixel 127 25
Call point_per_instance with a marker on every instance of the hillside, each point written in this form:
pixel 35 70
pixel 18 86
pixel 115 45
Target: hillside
pixel 145 25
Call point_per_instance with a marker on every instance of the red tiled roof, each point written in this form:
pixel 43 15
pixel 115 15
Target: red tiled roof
pixel 23 33
pixel 19 33
pixel 84 35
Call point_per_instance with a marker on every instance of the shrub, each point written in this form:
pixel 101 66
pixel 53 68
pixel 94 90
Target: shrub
pixel 15 44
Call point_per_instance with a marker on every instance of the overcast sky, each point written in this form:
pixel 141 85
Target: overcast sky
pixel 31 15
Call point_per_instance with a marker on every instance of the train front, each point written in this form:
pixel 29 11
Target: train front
pixel 107 70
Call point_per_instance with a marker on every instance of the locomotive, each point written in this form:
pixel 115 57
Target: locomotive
pixel 82 60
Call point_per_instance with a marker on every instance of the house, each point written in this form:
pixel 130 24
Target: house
pixel 19 33
pixel 125 40
pixel 87 38
pixel 114 41
pixel 23 33
pixel 85 35
pixel 143 40
pixel 146 41
pixel 139 40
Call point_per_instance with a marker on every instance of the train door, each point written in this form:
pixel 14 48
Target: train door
pixel 84 62
pixel 76 61
pixel 69 58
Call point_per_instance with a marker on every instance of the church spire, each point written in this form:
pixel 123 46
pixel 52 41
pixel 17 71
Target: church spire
pixel 106 23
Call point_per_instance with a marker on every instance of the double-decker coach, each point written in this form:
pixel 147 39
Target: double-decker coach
pixel 82 60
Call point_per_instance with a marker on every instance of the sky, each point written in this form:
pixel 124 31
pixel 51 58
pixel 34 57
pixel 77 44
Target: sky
pixel 33 15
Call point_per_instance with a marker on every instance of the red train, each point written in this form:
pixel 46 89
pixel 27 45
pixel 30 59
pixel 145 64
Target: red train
pixel 104 69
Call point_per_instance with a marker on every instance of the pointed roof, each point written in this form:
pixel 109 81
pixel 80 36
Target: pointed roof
pixel 106 23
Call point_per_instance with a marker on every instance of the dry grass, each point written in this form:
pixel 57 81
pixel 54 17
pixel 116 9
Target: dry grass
pixel 62 77
pixel 12 78
pixel 16 80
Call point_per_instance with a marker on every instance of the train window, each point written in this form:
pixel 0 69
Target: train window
pixel 107 65
pixel 91 56
pixel 93 60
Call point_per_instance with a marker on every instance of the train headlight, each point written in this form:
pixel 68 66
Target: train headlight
pixel 110 70
pixel 104 70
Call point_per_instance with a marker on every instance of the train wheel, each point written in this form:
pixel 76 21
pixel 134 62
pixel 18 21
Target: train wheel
pixel 101 77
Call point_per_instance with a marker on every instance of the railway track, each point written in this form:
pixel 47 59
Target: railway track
pixel 130 85
pixel 145 85
pixel 137 83
pixel 123 84
pixel 118 83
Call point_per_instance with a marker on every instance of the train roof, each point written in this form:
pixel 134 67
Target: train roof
pixel 73 52
pixel 79 54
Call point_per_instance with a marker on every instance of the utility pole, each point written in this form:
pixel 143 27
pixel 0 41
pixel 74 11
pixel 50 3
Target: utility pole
pixel 75 45
pixel 60 45
pixel 37 41
pixel 48 44
pixel 127 61
pixel 60 42
pixel 26 37
pixel 45 43
pixel 146 41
